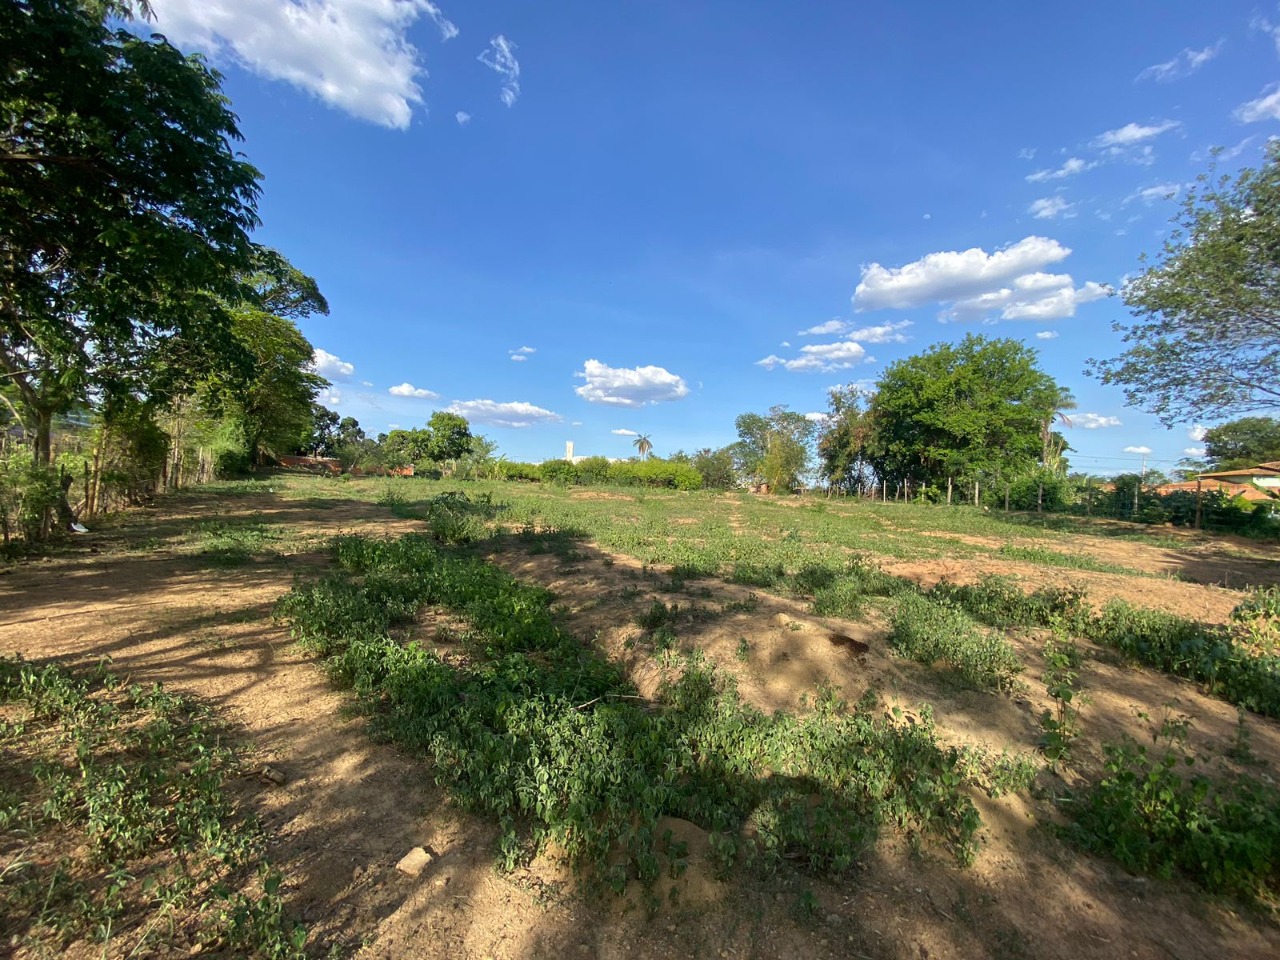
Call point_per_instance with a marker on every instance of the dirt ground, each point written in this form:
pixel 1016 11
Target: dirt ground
pixel 351 807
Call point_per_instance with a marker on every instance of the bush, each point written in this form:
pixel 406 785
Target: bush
pixel 655 473
pixel 928 630
pixel 593 470
pixel 560 472
pixel 527 472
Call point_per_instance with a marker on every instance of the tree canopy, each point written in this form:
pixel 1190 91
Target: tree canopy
pixel 126 210
pixel 773 448
pixel 1243 443
pixel 960 411
pixel 1205 340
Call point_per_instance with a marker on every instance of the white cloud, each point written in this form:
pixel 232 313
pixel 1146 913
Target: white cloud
pixel 1149 195
pixel 823 329
pixel 1263 25
pixel 1133 134
pixel 1049 208
pixel 525 350
pixel 819 358
pixel 331 367
pixel 1070 168
pixel 409 390
pixel 785 343
pixel 1185 63
pixel 1142 450
pixel 951 275
pixel 519 357
pixel 817 416
pixel 1094 421
pixel 352 54
pixel 329 398
pixel 1265 107
pixel 885 333
pixel 513 414
pixel 1194 451
pixel 1033 296
pixel 624 433
pixel 366 383
pixel 1197 432
pixel 1047 335
pixel 462 117
pixel 521 354
pixel 1027 153
pixel 628 387
pixel 501 58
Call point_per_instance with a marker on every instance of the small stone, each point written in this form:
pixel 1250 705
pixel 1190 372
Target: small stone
pixel 272 775
pixel 414 862
pixel 833 918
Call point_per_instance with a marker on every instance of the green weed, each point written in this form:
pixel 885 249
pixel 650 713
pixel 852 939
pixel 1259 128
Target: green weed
pixel 928 630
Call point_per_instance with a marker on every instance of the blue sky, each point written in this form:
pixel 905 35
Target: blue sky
pixel 584 220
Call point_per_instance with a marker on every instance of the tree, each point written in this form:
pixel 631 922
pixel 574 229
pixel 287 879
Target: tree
pixel 126 211
pixel 774 448
pixel 1206 336
pixel 450 436
pixel 1243 442
pixel 322 438
pixel 961 411
pixel 275 403
pixel 1053 444
pixel 643 445
pixel 843 438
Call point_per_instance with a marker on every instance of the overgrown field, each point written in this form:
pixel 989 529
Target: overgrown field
pixel 821 697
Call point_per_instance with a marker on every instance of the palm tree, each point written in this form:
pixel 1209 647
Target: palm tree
pixel 1050 453
pixel 643 445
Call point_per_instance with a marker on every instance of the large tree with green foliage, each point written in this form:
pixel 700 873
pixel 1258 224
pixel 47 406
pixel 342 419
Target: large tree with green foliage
pixel 125 211
pixel 961 411
pixel 1243 443
pixel 1205 340
pixel 843 439
pixel 773 448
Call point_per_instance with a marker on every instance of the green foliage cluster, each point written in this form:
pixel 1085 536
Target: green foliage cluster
pixel 1255 622
pixel 130 785
pixel 1228 665
pixel 1222 832
pixel 1061 725
pixel 593 471
pixel 928 629
pixel 540 732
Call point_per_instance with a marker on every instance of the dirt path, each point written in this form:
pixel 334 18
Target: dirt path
pixel 351 807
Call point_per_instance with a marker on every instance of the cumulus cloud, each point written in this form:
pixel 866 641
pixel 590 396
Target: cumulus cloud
pixel 1265 107
pixel 624 433
pixel 953 274
pixel 974 285
pixel 514 414
pixel 1142 450
pixel 1027 153
pixel 628 387
pixel 1047 335
pixel 1194 451
pixel 501 58
pixel 1033 296
pixel 1094 421
pixel 409 390
pixel 519 357
pixel 817 416
pixel 1184 64
pixel 1050 208
pixel 524 350
pixel 823 329
pixel 330 366
pixel 819 358
pixel 352 54
pixel 462 117
pixel 1069 169
pixel 329 398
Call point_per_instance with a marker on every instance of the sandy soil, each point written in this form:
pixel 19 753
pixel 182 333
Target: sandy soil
pixel 351 807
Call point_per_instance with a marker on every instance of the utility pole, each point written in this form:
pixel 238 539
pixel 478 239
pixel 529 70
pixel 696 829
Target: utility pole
pixel 1142 478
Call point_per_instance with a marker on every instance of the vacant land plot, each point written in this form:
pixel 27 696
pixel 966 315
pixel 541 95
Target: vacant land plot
pixel 629 723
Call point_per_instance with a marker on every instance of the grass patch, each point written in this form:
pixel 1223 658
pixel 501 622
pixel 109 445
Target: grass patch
pixel 1071 561
pixel 542 734
pixel 116 826
pixel 929 630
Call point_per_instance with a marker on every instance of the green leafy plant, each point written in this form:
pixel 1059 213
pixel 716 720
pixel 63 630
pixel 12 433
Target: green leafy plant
pixel 928 630
pixel 1061 725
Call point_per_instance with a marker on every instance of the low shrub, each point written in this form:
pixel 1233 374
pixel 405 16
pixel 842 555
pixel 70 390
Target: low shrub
pixel 929 630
